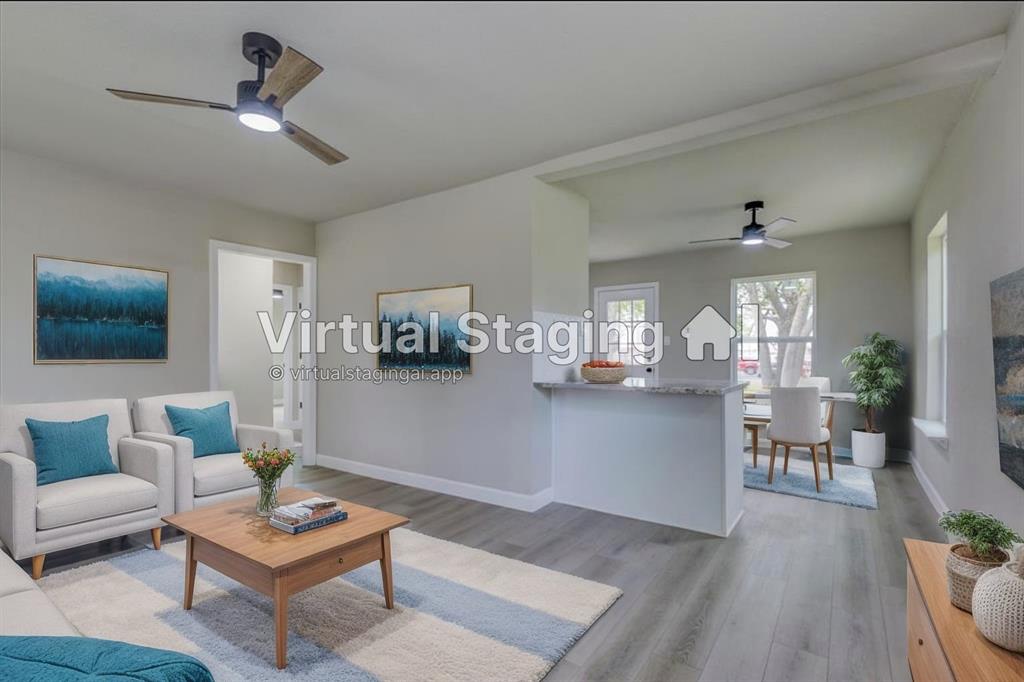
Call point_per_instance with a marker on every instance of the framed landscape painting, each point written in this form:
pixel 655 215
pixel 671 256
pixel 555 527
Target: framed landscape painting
pixel 416 305
pixel 1008 355
pixel 90 312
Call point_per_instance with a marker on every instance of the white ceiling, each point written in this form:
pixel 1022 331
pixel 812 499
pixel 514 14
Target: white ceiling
pixel 862 169
pixel 423 96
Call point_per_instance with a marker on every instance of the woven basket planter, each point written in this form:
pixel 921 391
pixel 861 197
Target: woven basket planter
pixel 998 603
pixel 603 375
pixel 963 573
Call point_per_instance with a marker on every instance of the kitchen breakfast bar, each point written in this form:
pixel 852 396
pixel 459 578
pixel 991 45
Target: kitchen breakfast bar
pixel 667 451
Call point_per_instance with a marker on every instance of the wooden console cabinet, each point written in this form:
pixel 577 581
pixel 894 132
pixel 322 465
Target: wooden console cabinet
pixel 942 643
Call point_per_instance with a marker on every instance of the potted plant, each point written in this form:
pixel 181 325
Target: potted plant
pixel 877 377
pixel 986 540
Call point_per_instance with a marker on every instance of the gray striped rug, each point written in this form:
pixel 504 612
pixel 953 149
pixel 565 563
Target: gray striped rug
pixel 460 614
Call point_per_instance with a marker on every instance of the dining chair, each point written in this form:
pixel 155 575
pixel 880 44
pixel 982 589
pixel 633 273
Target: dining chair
pixel 755 417
pixel 796 421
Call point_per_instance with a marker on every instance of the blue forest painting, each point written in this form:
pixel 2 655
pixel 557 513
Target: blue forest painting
pixel 395 308
pixel 1008 354
pixel 94 312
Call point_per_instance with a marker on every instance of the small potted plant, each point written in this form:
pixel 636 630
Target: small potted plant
pixel 268 465
pixel 877 377
pixel 986 540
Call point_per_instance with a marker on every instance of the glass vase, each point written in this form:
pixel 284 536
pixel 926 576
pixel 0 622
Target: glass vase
pixel 267 499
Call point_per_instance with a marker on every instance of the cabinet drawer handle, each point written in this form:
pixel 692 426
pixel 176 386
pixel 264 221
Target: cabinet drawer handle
pixel 341 560
pixel 920 642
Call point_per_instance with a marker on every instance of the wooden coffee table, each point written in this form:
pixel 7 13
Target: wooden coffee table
pixel 232 539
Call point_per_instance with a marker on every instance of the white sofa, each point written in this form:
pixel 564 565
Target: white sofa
pixel 200 481
pixel 24 609
pixel 35 520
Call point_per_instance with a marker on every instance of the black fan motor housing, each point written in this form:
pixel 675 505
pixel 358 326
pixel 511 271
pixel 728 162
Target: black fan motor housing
pixel 247 91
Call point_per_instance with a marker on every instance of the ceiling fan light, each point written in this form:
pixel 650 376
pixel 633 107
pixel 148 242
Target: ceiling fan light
pixel 259 122
pixel 259 116
pixel 752 240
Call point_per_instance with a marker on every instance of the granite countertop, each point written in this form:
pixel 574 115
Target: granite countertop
pixel 644 385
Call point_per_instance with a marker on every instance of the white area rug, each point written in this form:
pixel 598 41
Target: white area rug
pixel 460 614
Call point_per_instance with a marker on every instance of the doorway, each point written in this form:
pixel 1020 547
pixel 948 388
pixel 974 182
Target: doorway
pixel 245 280
pixel 628 304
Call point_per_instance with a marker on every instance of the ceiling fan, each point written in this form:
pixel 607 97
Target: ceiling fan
pixel 260 103
pixel 755 233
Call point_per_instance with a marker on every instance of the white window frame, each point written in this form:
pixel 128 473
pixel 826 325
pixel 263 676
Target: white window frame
pixel 810 274
pixel 937 321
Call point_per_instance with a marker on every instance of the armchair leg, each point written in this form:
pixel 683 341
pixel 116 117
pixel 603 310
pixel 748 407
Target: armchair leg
pixel 155 533
pixel 785 462
pixel 828 451
pixel 37 566
pixel 771 462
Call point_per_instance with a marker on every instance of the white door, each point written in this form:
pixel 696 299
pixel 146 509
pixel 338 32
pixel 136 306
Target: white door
pixel 629 305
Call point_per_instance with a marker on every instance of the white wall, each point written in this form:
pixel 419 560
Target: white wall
pixel 979 182
pixel 479 431
pixel 863 285
pixel 245 287
pixel 53 209
pixel 560 237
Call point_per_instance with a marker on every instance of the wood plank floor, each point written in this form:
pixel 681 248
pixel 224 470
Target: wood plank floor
pixel 803 590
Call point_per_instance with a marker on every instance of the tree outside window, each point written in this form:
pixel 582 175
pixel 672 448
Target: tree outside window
pixel 783 350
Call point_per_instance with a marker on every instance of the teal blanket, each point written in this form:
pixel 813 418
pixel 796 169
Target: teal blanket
pixel 49 659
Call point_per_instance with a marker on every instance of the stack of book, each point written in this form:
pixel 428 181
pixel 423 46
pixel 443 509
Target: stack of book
pixel 315 512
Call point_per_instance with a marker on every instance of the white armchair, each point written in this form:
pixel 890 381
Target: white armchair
pixel 214 478
pixel 36 520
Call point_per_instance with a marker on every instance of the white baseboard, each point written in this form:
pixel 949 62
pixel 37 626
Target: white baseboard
pixel 926 484
pixel 470 491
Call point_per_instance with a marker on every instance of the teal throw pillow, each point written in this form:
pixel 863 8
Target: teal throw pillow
pixel 66 450
pixel 209 428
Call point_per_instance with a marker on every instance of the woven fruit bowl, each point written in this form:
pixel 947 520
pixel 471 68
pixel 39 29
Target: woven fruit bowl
pixel 605 373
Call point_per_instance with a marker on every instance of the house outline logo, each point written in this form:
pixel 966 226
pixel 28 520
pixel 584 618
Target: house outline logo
pixel 708 327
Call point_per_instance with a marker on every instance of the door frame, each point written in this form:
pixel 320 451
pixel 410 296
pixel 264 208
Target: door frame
pixel 307 387
pixel 611 288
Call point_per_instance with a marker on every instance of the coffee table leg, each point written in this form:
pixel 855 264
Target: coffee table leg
pixel 190 572
pixel 385 571
pixel 281 621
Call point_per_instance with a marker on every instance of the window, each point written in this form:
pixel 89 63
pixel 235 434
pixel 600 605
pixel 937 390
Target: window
pixel 775 318
pixel 937 320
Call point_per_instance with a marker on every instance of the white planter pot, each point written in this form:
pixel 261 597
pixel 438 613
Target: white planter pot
pixel 868 449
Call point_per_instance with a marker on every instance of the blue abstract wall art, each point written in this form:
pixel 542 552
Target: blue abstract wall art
pixel 397 307
pixel 88 312
pixel 1008 355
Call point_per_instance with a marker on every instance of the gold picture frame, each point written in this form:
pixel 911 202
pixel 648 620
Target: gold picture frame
pixel 37 360
pixel 468 369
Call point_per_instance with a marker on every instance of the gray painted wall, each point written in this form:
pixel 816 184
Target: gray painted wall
pixel 476 432
pixel 53 209
pixel 863 285
pixel 246 286
pixel 979 182
pixel 560 238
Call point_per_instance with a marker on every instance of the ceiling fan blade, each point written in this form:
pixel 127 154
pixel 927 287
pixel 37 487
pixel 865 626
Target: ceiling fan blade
pixel 777 243
pixel 724 239
pixel 777 223
pixel 292 72
pixel 312 144
pixel 164 99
